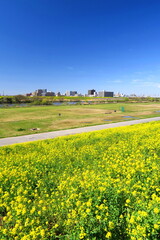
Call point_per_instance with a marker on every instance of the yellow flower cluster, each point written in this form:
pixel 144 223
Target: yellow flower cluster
pixel 91 186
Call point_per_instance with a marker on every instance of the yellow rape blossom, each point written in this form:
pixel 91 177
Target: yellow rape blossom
pixel 108 235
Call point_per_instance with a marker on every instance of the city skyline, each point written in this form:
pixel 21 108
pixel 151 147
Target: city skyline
pixel 75 93
pixel 80 45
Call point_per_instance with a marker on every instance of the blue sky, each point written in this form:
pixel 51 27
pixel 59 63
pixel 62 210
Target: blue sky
pixel 78 45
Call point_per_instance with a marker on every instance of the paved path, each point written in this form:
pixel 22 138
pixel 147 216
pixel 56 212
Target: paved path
pixel 47 135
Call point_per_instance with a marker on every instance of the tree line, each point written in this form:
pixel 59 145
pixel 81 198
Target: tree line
pixel 47 100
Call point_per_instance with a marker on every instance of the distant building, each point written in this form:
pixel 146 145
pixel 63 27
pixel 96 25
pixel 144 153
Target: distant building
pixel 105 94
pixel 43 92
pixel 28 94
pixel 58 94
pixel 91 92
pixel 118 94
pixel 40 92
pixel 133 95
pixel 34 93
pixel 71 93
pixel 50 93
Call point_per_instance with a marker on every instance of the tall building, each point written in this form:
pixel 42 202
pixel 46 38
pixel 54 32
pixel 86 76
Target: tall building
pixel 71 93
pixel 91 92
pixel 40 92
pixel 105 94
pixel 43 92
pixel 50 93
pixel 58 94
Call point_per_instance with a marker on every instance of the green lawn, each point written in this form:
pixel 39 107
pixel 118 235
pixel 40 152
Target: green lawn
pixel 17 121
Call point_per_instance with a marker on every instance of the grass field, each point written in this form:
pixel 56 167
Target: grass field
pixel 92 186
pixel 20 120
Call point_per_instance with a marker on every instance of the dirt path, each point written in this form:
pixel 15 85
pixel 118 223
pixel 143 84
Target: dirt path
pixel 48 135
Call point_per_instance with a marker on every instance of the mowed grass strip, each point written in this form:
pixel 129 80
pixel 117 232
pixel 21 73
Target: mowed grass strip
pixel 19 121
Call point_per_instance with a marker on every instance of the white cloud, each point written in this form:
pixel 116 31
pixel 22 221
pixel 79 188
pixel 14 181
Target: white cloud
pixel 149 80
pixel 151 84
pixel 137 80
pixel 144 72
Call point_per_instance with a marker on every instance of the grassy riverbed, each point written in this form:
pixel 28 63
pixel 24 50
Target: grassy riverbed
pixel 17 121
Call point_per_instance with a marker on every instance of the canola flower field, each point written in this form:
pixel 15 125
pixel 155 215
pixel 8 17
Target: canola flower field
pixel 92 186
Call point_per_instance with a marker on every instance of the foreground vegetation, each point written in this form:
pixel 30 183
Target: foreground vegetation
pixel 100 185
pixel 21 120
